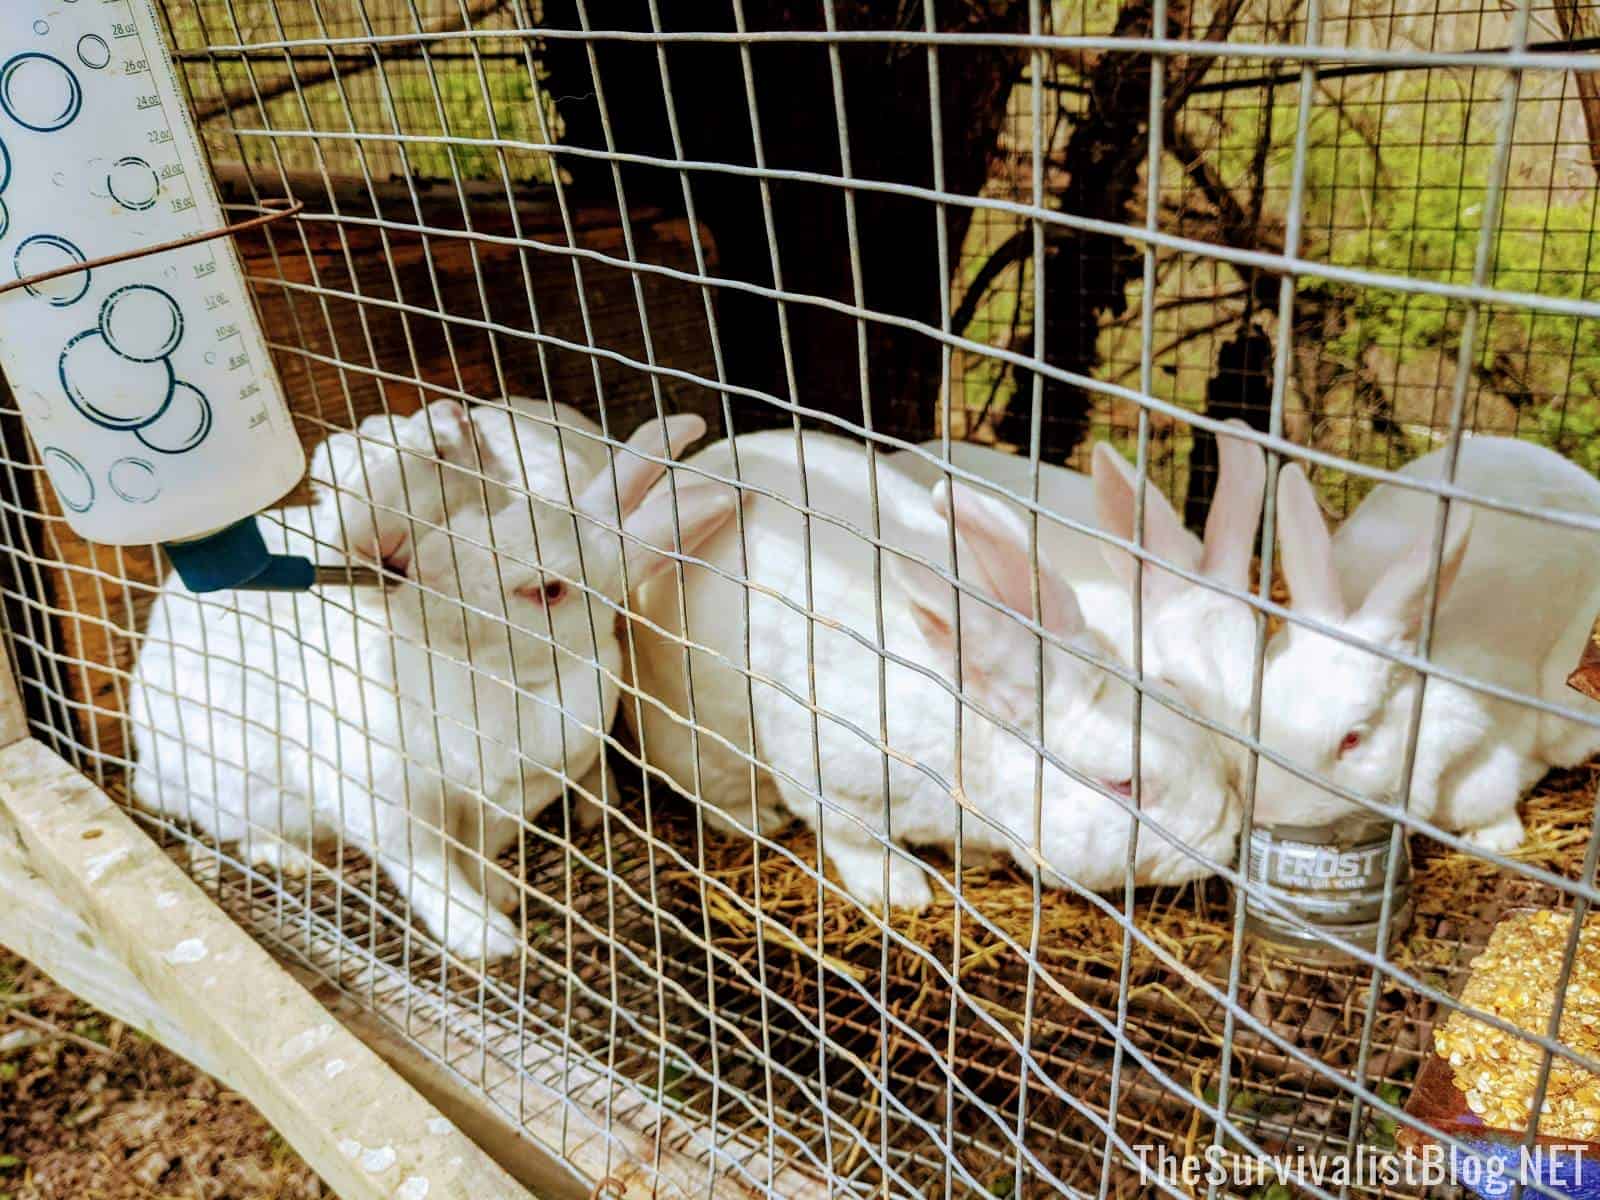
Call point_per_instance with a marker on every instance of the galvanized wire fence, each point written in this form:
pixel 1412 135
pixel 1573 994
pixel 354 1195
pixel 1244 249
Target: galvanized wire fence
pixel 1364 235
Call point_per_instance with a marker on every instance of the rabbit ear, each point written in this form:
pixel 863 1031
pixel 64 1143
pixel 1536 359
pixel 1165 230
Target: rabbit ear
pixel 1164 535
pixel 703 508
pixel 1307 548
pixel 1399 598
pixel 449 421
pixel 1235 511
pixel 631 474
pixel 995 537
pixel 992 543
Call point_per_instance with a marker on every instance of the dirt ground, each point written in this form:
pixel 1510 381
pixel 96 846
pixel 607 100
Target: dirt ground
pixel 91 1110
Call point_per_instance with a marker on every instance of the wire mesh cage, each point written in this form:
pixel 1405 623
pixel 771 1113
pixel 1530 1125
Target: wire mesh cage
pixel 880 248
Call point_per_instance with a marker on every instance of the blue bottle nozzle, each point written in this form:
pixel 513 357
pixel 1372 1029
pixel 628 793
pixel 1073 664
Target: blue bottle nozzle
pixel 237 557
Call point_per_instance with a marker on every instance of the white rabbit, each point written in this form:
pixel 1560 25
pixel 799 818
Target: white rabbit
pixel 1200 641
pixel 1516 597
pixel 1087 712
pixel 527 444
pixel 423 724
pixel 434 468
pixel 209 673
pixel 378 490
pixel 1062 491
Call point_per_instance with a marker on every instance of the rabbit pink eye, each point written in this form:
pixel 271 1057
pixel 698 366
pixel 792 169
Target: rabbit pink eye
pixel 1349 742
pixel 551 593
pixel 1122 787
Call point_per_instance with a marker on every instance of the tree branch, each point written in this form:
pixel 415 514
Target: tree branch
pixel 1234 225
pixel 1180 340
pixel 1013 250
pixel 1572 27
pixel 1183 79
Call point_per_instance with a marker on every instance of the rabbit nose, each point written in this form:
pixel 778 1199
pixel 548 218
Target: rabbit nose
pixel 394 552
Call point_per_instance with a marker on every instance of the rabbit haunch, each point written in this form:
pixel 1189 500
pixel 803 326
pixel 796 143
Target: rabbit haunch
pixel 1088 713
pixel 1516 597
pixel 426 723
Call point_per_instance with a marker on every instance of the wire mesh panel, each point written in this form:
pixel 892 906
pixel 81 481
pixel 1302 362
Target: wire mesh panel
pixel 885 801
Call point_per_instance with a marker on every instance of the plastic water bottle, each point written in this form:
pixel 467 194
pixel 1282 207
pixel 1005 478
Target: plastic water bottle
pixel 145 385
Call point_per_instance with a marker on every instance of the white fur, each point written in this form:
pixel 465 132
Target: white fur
pixel 526 445
pixel 380 489
pixel 449 709
pixel 1062 491
pixel 1516 599
pixel 1198 642
pixel 1087 713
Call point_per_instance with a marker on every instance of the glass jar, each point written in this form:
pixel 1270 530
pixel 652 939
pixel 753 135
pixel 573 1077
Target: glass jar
pixel 1332 877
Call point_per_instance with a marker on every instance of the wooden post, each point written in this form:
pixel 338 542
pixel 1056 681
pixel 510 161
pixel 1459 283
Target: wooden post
pixel 141 938
pixel 90 899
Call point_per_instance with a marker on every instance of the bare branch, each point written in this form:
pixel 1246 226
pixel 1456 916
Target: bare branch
pixel 55 1031
pixel 1013 250
pixel 1182 339
pixel 1575 26
pixel 1234 226
pixel 1182 80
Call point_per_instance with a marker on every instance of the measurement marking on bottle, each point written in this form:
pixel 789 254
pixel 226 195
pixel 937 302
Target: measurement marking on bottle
pixel 140 149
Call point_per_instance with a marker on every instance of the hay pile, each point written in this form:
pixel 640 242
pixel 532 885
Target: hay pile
pixel 908 1009
pixel 1191 926
pixel 818 941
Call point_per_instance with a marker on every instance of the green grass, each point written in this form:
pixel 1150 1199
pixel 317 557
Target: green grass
pixel 1396 180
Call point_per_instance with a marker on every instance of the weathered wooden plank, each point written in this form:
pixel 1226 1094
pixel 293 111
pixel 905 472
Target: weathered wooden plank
pixel 152 947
